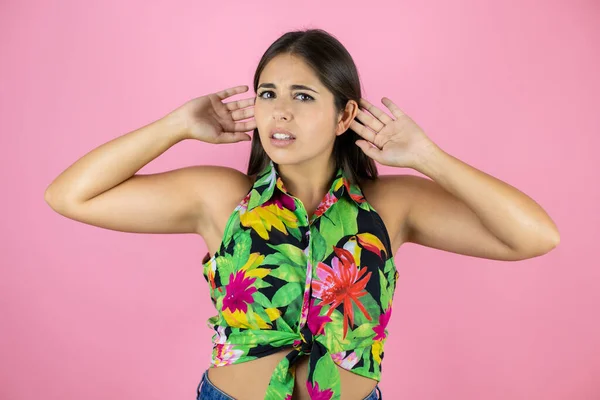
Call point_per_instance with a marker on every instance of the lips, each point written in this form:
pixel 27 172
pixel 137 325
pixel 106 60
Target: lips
pixel 283 131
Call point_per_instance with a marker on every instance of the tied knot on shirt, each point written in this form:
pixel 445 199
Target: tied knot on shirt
pixel 305 344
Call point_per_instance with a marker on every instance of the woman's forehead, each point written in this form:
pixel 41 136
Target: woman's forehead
pixel 284 71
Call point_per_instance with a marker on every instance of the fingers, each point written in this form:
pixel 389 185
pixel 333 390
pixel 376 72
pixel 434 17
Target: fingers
pixel 369 150
pixel 383 117
pixel 396 112
pixel 242 114
pixel 370 121
pixel 236 105
pixel 233 137
pixel 363 131
pixel 240 110
pixel 223 94
pixel 245 126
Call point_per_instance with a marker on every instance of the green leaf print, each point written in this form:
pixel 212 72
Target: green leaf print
pixel 241 249
pixel 334 331
pixel 288 273
pixel 367 357
pixel 278 265
pixel 262 314
pixel 339 221
pixel 265 182
pixel 275 259
pixel 372 307
pixel 276 391
pixel 251 317
pixel 363 342
pixel 286 294
pixel 389 267
pixel 225 267
pixel 364 330
pixel 323 375
pixel 319 245
pixel 359 351
pixel 385 294
pixel 292 312
pixel 259 284
pixel 292 252
pixel 295 232
pixel 254 199
pixel 261 299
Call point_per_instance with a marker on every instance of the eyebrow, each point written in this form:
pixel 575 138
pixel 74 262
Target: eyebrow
pixel 292 87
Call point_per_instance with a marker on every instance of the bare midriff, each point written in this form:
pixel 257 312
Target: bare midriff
pixel 249 380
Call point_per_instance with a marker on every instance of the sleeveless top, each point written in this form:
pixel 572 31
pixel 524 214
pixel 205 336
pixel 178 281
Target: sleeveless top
pixel 322 286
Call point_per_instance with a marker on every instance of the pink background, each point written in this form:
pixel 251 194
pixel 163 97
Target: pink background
pixel 509 87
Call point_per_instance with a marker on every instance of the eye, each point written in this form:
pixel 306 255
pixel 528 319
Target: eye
pixel 263 92
pixel 308 97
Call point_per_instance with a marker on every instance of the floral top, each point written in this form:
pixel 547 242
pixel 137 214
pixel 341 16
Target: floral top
pixel 322 286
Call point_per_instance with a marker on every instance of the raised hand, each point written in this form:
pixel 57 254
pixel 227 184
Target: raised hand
pixel 208 119
pixel 396 142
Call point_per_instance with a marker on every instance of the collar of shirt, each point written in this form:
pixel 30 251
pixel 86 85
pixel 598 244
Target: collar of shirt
pixel 268 179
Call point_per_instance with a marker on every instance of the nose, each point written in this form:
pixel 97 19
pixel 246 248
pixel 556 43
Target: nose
pixel 280 117
pixel 281 111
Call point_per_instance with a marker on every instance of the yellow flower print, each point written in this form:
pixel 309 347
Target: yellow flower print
pixel 263 218
pixel 250 268
pixel 376 350
pixel 239 319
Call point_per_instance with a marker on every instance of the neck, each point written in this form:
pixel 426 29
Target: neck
pixel 308 181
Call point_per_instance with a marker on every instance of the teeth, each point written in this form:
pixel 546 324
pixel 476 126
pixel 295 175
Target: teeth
pixel 281 136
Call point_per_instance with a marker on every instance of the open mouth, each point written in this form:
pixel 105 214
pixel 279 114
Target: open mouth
pixel 282 136
pixel 282 139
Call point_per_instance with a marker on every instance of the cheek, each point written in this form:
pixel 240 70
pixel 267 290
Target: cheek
pixel 260 118
pixel 319 123
pixel 258 112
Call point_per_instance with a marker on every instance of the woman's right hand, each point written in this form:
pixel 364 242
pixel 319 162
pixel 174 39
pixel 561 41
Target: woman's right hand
pixel 208 119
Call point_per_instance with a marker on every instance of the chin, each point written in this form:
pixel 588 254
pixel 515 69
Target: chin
pixel 282 157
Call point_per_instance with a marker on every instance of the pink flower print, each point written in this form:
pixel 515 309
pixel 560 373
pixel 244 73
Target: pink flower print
pixel 304 314
pixel 316 394
pixel 359 198
pixel 282 201
pixel 346 363
pixel 239 292
pixel 243 206
pixel 221 336
pixel 338 357
pixel 349 362
pixel 383 321
pixel 342 283
pixel 316 323
pixel 297 343
pixel 327 202
pixel 225 354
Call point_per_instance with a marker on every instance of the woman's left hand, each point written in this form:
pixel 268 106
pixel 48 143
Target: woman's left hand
pixel 398 142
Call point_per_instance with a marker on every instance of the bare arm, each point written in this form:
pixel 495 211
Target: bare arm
pixel 102 188
pixel 112 163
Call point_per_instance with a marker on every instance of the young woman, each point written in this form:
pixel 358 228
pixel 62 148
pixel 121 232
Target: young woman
pixel 302 272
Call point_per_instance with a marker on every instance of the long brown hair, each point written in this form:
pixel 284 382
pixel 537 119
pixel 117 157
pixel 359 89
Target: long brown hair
pixel 336 70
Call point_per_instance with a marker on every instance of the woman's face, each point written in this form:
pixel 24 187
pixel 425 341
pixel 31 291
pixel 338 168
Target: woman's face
pixel 308 113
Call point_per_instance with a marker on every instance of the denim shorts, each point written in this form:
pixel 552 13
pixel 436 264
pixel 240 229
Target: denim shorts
pixel 207 391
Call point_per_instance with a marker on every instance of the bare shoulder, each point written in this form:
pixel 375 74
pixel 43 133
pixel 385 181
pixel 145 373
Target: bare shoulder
pixel 220 194
pixel 391 196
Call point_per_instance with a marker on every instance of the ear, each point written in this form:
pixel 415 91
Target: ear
pixel 346 117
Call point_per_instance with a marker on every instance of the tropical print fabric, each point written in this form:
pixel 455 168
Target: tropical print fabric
pixel 321 285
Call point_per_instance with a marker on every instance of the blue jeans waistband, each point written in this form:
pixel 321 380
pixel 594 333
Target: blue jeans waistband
pixel 208 391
